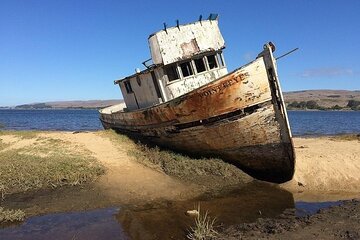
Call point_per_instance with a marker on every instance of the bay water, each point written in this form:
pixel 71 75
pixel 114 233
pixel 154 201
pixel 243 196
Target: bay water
pixel 302 122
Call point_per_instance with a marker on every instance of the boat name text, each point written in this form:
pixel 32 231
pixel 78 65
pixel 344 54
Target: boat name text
pixel 222 86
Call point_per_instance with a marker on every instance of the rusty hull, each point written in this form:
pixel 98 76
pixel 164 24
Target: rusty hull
pixel 238 118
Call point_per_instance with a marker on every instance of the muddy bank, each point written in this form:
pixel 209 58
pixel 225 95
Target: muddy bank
pixel 337 222
pixel 255 211
pixel 152 220
pixel 168 220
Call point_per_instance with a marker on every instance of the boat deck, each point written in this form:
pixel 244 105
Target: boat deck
pixel 115 108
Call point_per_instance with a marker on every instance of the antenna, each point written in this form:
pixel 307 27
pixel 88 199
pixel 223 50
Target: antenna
pixel 165 29
pixel 213 16
pixel 287 53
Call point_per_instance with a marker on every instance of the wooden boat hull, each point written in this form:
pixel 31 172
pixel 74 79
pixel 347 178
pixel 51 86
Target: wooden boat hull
pixel 239 118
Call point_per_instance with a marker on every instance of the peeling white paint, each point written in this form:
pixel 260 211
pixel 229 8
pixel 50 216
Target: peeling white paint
pixel 176 44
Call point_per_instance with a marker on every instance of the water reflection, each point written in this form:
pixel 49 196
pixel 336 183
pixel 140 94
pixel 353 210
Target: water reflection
pixel 161 220
pixel 168 220
pixel 91 225
pixel 309 208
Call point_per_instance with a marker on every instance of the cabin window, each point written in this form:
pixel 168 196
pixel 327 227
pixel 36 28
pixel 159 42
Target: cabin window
pixel 128 87
pixel 200 65
pixel 186 69
pixel 212 61
pixel 172 72
pixel 220 59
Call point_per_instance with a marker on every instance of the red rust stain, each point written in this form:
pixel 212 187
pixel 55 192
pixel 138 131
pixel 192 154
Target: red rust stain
pixel 210 100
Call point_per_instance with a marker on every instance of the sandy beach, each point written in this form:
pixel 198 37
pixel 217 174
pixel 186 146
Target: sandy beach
pixel 325 166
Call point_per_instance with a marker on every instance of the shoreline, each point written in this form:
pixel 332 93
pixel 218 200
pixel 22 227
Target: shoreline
pixel 306 135
pixel 98 108
pixel 326 150
pixel 336 222
pixel 45 109
pixel 322 110
pixel 138 177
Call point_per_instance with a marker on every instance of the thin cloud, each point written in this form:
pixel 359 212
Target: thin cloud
pixel 327 72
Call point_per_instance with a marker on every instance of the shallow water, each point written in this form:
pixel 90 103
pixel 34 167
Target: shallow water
pixel 309 208
pixel 70 212
pixel 93 224
pixel 86 214
pixel 169 221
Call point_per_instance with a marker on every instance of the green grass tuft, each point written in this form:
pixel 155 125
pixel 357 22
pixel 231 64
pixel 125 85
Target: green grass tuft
pixel 210 173
pixel 21 134
pixel 187 168
pixel 49 163
pixel 22 172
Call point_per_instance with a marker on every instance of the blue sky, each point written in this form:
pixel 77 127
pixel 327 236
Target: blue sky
pixel 74 49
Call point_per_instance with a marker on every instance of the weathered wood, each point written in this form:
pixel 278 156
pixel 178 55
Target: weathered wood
pixel 179 43
pixel 240 117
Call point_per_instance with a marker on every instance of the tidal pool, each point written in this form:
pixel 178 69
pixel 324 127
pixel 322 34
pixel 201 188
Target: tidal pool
pixel 85 214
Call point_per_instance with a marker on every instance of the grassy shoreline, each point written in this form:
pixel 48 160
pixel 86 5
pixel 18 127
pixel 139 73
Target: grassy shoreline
pixel 30 161
pixel 210 173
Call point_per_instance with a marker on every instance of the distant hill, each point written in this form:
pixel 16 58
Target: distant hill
pixel 323 99
pixel 90 104
pixel 307 99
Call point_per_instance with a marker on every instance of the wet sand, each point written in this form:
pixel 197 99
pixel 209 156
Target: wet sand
pixel 338 222
pixel 326 168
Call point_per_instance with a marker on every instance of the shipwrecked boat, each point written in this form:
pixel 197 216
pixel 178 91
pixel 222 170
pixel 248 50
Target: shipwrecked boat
pixel 187 101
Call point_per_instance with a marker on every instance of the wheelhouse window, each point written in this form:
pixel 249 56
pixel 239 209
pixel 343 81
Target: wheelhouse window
pixel 220 59
pixel 171 72
pixel 212 61
pixel 186 69
pixel 128 87
pixel 200 65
